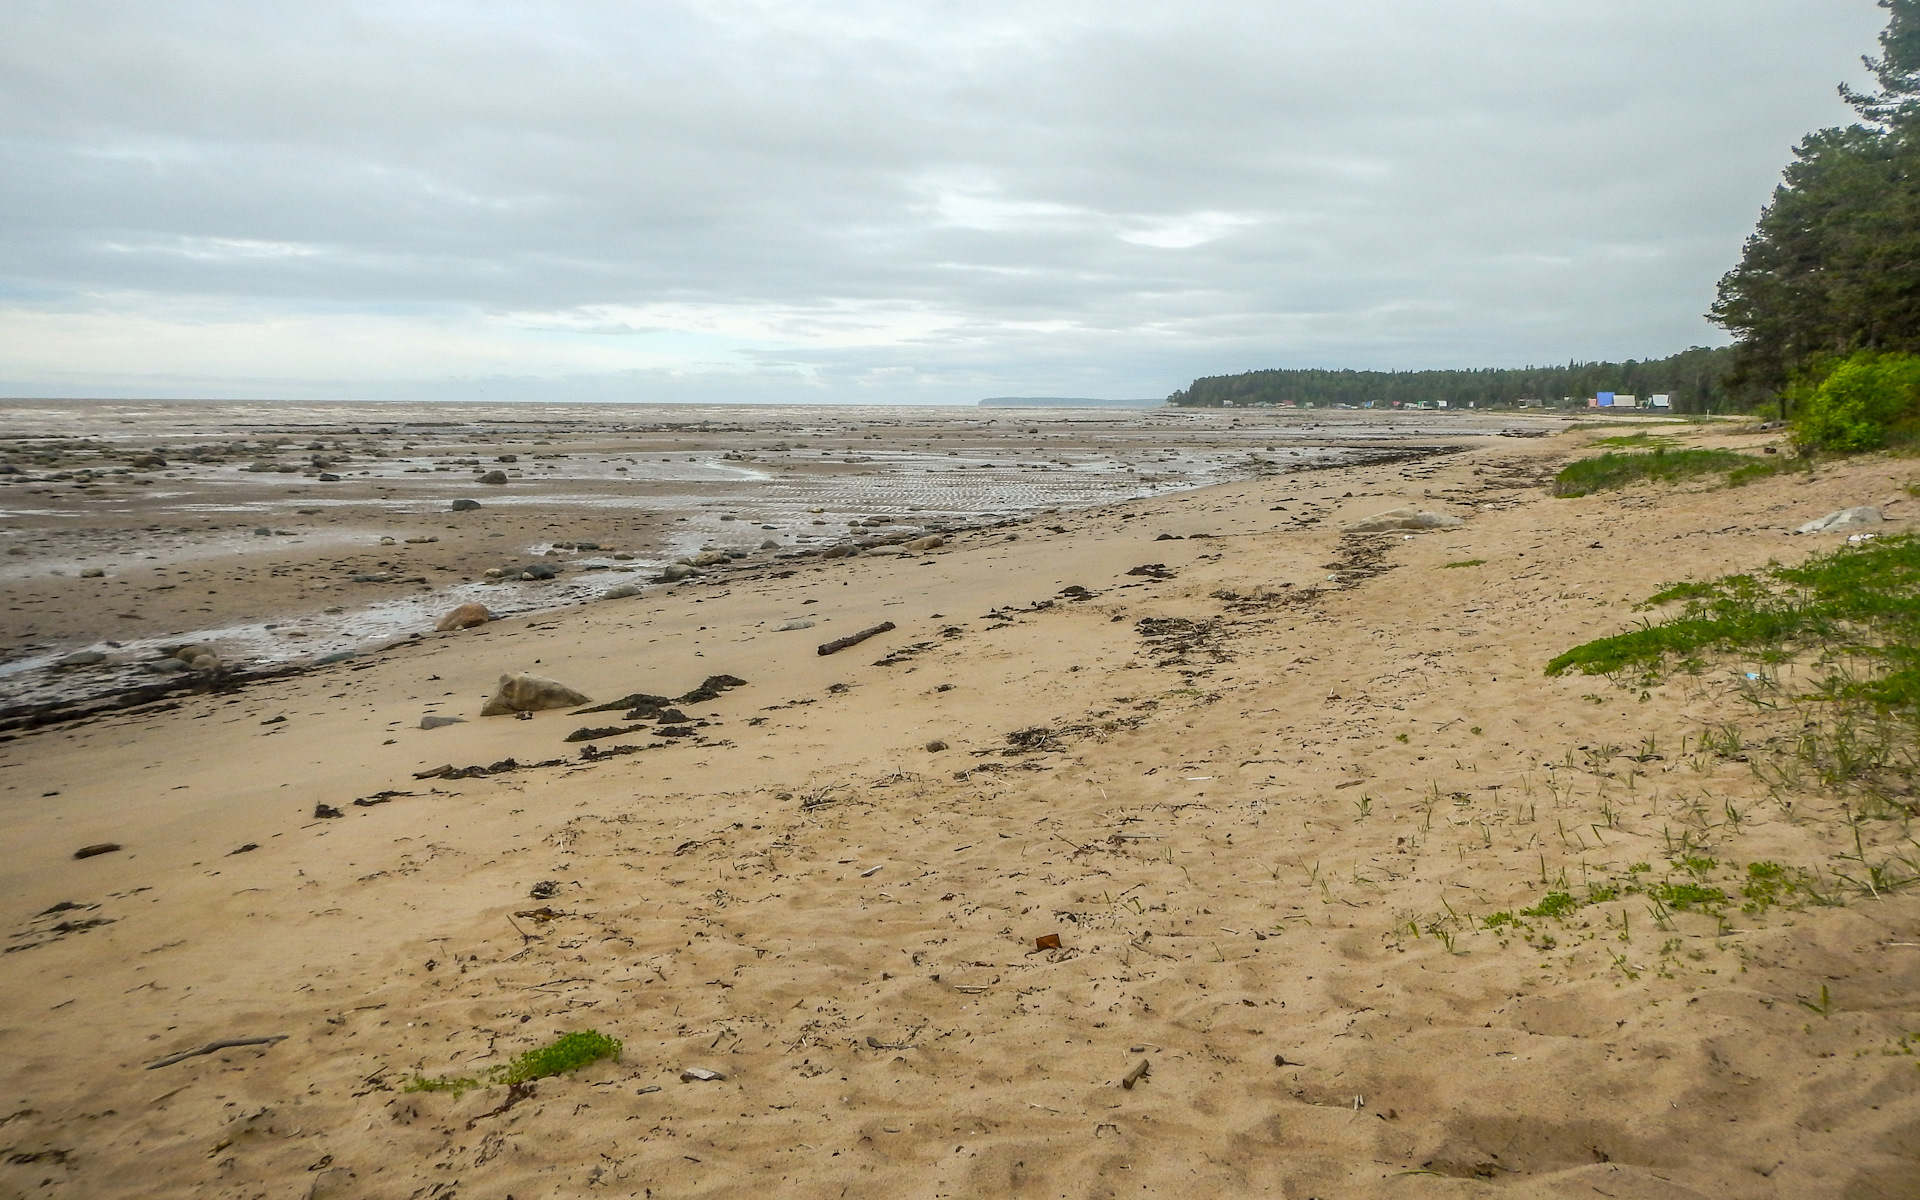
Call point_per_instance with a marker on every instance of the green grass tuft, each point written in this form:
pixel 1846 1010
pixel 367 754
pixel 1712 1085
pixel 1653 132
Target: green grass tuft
pixel 1611 471
pixel 570 1052
pixel 1858 601
pixel 1471 562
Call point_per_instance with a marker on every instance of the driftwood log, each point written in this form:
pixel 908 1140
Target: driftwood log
pixel 210 1047
pixel 854 639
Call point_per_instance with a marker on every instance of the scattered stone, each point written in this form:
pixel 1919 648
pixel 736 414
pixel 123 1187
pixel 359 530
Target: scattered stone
pixel 1845 519
pixel 262 531
pixel 82 658
pixel 338 656
pixel 1403 518
pixel 700 1075
pixel 709 558
pixel 494 477
pixel 530 693
pixel 467 616
pixel 166 666
pixel 508 458
pixel 790 626
pixel 675 572
pixel 930 542
pixel 326 812
pixel 421 541
pixel 98 848
pixel 431 721
pixel 769 544
pixel 843 550
pixel 329 477
pixel 463 505
pixel 93 573
pixel 593 734
pixel 622 592
pixel 1152 571
pixel 936 746
pixel 711 687
pixel 546 889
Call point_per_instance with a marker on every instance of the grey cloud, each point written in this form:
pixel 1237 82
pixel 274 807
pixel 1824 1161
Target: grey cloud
pixel 1110 196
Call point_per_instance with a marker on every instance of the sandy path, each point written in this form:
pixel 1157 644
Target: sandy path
pixel 1269 828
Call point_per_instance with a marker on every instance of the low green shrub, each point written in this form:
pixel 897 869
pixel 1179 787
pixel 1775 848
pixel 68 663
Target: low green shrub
pixel 1861 402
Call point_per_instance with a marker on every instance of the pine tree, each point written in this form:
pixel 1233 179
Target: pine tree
pixel 1834 264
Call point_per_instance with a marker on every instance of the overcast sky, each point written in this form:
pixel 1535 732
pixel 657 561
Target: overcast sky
pixel 875 200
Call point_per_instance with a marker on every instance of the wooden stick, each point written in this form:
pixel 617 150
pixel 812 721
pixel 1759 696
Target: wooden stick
pixel 1135 1076
pixel 210 1047
pixel 854 639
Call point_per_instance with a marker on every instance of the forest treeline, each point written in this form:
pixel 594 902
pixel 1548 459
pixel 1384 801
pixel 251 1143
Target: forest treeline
pixel 1824 305
pixel 1696 379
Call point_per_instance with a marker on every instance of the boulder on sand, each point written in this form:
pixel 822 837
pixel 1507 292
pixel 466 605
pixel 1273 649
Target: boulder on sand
pixel 464 505
pixel 494 477
pixel 465 617
pixel 1847 518
pixel 530 693
pixel 1398 519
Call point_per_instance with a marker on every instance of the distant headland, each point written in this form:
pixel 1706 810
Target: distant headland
pixel 1064 402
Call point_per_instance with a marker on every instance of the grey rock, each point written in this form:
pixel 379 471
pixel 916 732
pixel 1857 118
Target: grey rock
pixel 262 531
pixel 709 558
pixel 621 592
pixel 92 573
pixel 675 572
pixel 494 477
pixel 790 626
pixel 931 542
pixel 1846 519
pixel 329 477
pixel 769 544
pixel 1404 519
pixel 82 658
pixel 337 656
pixel 432 722
pixel 464 505
pixel 530 693
pixel 165 666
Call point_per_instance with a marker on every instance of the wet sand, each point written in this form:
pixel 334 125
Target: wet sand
pixel 281 533
pixel 1272 786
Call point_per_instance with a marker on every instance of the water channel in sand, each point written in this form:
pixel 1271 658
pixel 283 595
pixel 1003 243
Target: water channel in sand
pixel 131 527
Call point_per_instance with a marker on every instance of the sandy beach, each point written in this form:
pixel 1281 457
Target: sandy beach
pixel 1191 778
